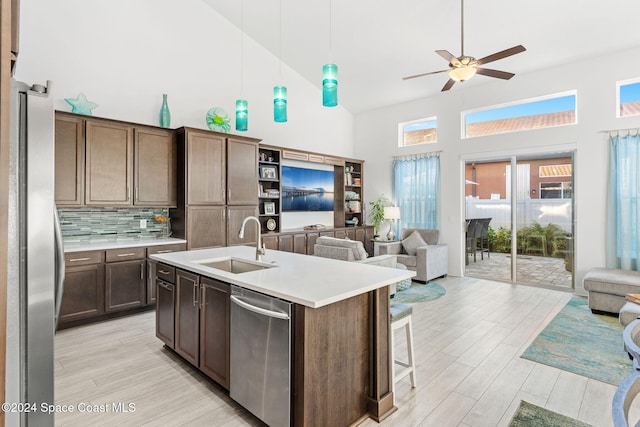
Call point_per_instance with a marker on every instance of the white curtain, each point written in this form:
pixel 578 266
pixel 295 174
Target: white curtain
pixel 416 190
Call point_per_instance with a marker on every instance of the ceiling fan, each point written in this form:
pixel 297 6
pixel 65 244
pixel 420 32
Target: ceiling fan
pixel 464 67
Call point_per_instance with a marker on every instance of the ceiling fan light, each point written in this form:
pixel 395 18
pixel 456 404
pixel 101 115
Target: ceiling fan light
pixel 461 74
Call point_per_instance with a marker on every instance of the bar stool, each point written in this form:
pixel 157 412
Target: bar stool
pixel 401 317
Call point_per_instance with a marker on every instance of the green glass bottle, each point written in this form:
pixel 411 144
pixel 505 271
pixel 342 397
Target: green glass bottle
pixel 165 114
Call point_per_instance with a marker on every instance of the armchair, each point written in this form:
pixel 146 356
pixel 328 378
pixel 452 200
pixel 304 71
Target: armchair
pixel 352 250
pixel 430 259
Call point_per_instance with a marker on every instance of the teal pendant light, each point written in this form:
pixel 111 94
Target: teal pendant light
pixel 280 104
pixel 280 92
pixel 242 115
pixel 330 75
pixel 330 85
pixel 242 106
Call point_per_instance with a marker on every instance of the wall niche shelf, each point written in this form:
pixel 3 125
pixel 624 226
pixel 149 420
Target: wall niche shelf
pixel 269 189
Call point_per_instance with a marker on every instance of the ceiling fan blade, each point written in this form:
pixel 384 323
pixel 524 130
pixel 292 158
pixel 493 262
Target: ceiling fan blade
pixel 502 54
pixel 448 56
pixel 448 85
pixel 495 73
pixel 424 74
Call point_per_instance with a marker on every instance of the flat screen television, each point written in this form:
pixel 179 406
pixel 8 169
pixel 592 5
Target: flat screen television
pixel 305 190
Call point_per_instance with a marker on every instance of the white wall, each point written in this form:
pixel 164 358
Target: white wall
pixel 125 54
pixel 595 82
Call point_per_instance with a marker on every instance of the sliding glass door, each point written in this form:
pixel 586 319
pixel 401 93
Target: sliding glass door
pixel 527 202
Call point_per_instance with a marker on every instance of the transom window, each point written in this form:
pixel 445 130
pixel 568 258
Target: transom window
pixel 628 94
pixel 422 131
pixel 535 113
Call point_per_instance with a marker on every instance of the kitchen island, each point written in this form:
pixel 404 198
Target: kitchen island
pixel 340 345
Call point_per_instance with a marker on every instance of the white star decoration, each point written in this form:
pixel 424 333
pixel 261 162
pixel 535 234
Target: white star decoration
pixel 81 105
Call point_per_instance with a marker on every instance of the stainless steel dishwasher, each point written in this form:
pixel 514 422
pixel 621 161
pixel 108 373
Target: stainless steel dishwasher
pixel 260 362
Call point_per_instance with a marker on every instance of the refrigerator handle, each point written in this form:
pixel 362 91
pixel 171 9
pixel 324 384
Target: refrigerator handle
pixel 59 249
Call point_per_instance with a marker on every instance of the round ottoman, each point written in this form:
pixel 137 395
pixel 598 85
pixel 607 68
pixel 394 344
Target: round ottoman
pixel 628 313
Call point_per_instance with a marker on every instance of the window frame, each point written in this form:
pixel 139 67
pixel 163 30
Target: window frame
pixel 465 113
pixel 619 84
pixel 401 131
pixel 563 190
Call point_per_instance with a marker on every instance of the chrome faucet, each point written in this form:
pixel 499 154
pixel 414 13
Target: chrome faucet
pixel 260 250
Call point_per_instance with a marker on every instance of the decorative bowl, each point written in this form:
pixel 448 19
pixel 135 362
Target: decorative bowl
pixel 218 120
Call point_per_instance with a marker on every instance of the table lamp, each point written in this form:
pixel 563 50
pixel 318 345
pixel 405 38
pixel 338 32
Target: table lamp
pixel 391 213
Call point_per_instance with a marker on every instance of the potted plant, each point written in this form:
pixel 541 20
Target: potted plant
pixel 377 214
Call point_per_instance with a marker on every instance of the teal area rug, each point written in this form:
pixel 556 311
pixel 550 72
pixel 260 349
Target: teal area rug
pixel 530 415
pixel 420 293
pixel 584 343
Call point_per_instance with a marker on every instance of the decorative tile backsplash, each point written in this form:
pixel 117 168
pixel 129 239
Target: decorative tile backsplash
pixel 111 224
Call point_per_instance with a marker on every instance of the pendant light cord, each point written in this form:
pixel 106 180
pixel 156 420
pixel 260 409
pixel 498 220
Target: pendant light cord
pixel 280 42
pixel 241 48
pixel 461 27
pixel 330 30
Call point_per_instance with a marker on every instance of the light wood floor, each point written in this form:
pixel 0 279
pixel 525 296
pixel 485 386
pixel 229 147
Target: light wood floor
pixel 467 346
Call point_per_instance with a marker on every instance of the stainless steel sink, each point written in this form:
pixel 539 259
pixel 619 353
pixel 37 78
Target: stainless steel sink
pixel 235 265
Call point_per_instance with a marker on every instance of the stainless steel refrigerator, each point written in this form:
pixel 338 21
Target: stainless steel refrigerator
pixel 35 260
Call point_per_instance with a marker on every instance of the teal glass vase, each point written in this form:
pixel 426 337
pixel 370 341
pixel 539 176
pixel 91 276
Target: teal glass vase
pixel 165 114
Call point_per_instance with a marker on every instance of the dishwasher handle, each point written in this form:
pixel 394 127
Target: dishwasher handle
pixel 259 310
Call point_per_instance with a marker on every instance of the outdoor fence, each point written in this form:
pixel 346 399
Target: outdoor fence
pixel 528 211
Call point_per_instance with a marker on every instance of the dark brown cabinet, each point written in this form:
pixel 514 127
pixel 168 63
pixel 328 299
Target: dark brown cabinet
pixel 270 242
pixel 214 330
pixel 125 285
pixel 235 216
pixel 285 243
pixel 155 167
pixel 205 169
pixel 242 173
pixel 165 306
pixel 152 267
pixel 83 295
pixel 206 227
pixel 187 320
pixel 108 167
pixel 69 161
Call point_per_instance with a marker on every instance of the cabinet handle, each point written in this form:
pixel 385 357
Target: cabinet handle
pixel 165 272
pixel 131 254
pixel 201 297
pixel 166 286
pixel 195 295
pixel 165 251
pixel 136 195
pixel 79 259
pixel 142 271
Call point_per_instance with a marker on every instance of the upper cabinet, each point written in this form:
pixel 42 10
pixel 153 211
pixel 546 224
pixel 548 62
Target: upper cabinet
pixel 205 168
pixel 242 173
pixel 69 161
pixel 155 167
pixel 109 163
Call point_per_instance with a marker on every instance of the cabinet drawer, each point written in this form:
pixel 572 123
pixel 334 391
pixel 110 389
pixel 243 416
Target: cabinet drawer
pixel 316 158
pixel 333 161
pixel 166 273
pixel 125 254
pixel 83 258
pixel 294 155
pixel 165 249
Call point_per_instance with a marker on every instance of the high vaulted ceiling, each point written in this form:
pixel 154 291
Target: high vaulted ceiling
pixel 376 43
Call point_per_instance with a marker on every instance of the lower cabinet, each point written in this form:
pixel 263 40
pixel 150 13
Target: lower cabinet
pixel 83 292
pixel 214 330
pixel 125 285
pixel 187 316
pixel 202 314
pixel 165 312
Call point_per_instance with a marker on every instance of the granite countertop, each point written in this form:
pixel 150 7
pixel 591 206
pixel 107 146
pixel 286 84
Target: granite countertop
pixel 303 279
pixel 98 246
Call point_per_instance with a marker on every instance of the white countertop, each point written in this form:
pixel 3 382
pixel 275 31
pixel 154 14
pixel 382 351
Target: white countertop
pixel 303 279
pixel 99 246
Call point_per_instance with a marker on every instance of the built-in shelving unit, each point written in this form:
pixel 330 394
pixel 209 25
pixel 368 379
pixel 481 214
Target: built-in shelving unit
pixel 269 189
pixel 353 194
